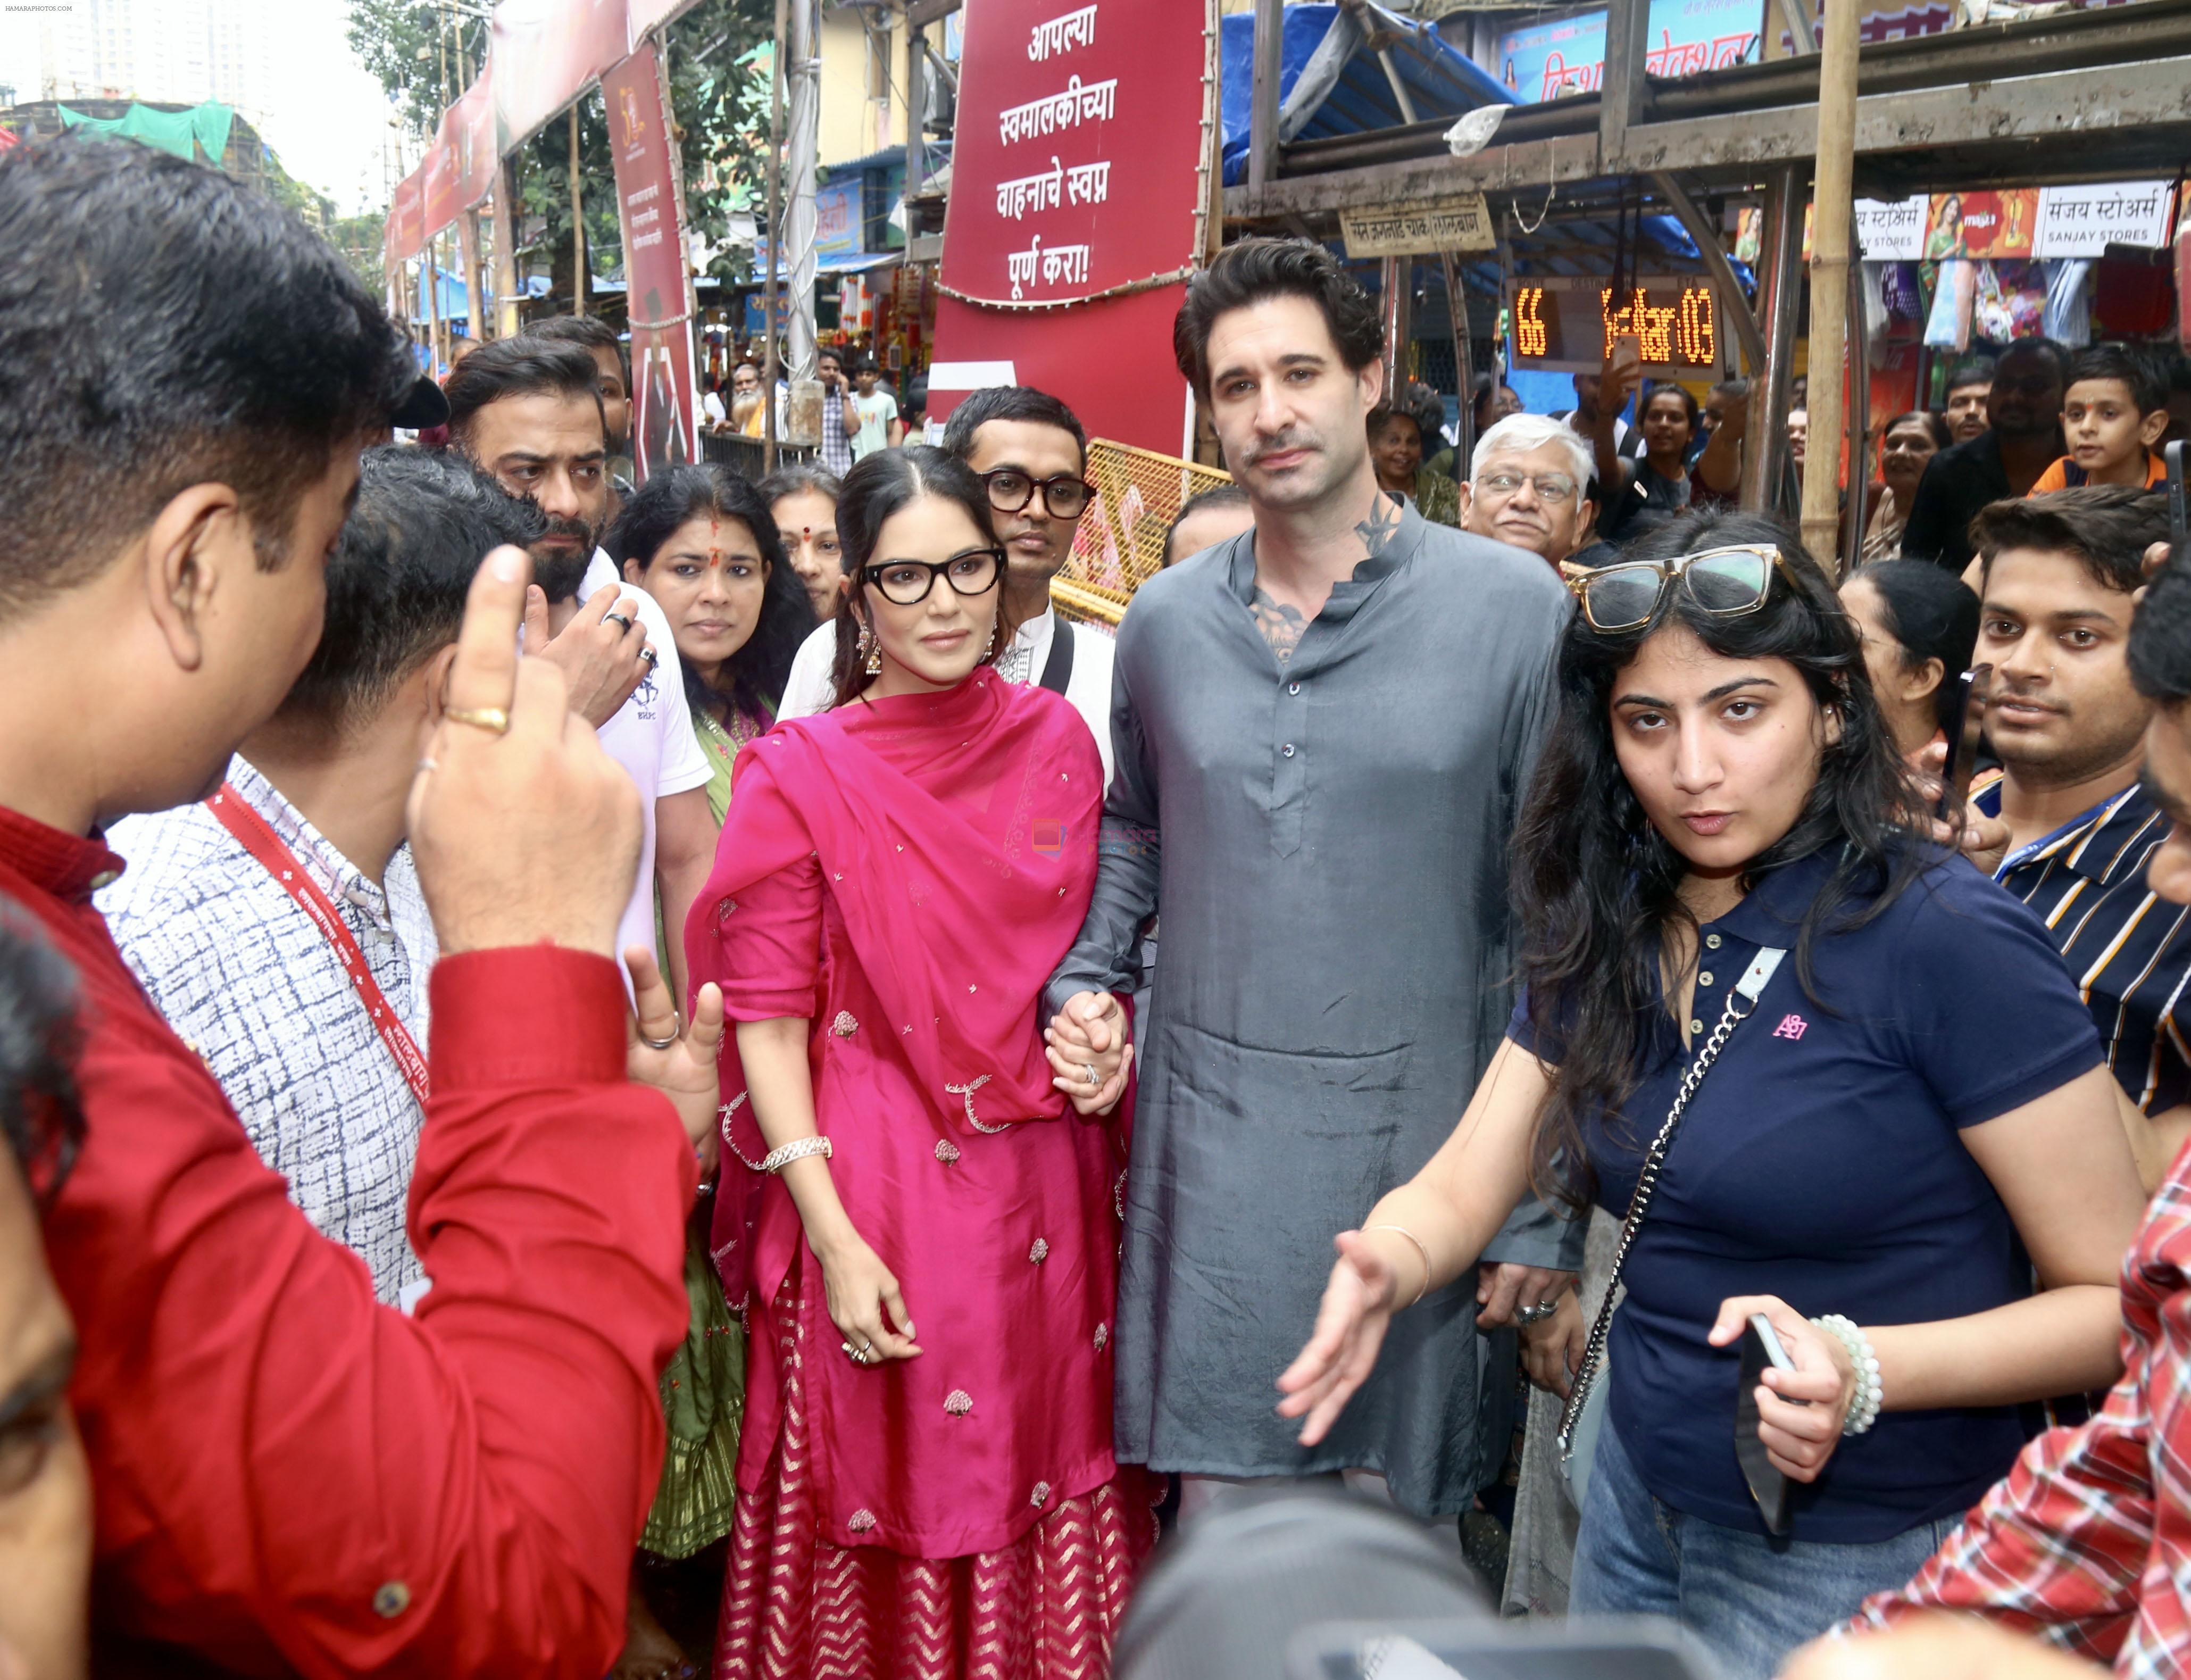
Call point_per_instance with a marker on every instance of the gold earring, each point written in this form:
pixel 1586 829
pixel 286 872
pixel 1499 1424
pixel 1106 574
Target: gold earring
pixel 870 651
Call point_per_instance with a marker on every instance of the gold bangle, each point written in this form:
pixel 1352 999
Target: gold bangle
pixel 1420 1249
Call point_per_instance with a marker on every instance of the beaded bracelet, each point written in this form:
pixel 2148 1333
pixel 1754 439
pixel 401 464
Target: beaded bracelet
pixel 1864 1405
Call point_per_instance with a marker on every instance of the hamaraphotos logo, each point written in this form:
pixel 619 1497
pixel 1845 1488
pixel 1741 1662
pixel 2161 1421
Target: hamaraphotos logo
pixel 1048 836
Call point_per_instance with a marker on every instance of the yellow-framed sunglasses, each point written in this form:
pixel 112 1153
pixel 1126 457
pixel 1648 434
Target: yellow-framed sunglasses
pixel 1725 582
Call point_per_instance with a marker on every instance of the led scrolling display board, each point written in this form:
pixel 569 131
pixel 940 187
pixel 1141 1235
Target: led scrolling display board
pixel 1568 324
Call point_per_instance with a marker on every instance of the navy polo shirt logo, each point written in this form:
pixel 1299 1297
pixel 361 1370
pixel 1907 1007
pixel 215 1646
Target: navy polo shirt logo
pixel 1792 1027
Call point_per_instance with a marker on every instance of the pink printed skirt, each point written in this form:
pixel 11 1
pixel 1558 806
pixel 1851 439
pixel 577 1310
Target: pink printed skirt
pixel 798 1608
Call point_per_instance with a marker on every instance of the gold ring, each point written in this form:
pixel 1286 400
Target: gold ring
pixel 495 720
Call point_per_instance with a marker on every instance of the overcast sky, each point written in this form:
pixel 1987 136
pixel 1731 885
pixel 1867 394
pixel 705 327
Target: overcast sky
pixel 317 107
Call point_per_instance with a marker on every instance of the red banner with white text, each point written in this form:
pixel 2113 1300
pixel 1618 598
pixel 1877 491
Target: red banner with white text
pixel 1076 194
pixel 651 210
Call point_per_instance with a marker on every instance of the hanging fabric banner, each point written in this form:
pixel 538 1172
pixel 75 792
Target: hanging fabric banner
pixel 407 227
pixel 544 52
pixel 650 211
pixel 468 130
pixel 1075 208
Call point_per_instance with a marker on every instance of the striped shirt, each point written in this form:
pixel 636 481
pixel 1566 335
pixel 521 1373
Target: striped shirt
pixel 2128 949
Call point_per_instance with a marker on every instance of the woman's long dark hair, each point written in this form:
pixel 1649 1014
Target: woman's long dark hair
pixel 882 482
pixel 1596 883
pixel 670 499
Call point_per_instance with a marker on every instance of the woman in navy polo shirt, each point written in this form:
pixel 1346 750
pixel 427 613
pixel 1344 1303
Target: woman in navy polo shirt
pixel 1913 1117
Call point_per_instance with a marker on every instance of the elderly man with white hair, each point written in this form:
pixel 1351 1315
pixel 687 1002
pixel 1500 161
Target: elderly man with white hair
pixel 1528 485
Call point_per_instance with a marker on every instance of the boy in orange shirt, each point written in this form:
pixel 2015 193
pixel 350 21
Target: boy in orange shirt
pixel 2114 410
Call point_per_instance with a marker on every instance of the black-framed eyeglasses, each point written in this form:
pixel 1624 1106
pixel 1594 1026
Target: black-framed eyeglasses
pixel 1725 582
pixel 972 572
pixel 1065 496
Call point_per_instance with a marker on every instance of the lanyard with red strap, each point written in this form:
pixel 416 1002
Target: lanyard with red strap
pixel 257 836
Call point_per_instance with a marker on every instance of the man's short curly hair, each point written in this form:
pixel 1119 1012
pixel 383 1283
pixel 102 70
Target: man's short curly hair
pixel 1256 269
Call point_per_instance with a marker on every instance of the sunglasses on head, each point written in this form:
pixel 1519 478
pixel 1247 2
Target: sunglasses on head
pixel 1724 583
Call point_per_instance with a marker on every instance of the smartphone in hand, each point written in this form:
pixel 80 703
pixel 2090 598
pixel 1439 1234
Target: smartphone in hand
pixel 2179 519
pixel 1966 733
pixel 1760 1351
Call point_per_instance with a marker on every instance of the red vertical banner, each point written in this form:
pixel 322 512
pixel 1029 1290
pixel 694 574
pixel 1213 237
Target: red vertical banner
pixel 1076 210
pixel 468 129
pixel 544 52
pixel 407 235
pixel 657 279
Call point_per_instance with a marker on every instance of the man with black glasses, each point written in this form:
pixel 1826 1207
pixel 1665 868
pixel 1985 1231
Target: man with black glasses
pixel 1031 453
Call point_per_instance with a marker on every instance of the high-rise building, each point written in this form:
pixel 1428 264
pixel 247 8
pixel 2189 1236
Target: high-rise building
pixel 185 51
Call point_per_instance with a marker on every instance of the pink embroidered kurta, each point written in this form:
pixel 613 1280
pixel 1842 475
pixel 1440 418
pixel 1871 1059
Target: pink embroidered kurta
pixel 906 875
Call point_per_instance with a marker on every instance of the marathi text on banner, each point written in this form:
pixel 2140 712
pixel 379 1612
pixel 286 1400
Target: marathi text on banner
pixel 1077 205
pixel 1076 104
pixel 1460 223
pixel 1888 231
pixel 2083 221
pixel 1061 34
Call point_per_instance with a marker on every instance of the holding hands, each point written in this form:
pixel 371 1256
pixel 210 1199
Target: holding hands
pixel 1086 1043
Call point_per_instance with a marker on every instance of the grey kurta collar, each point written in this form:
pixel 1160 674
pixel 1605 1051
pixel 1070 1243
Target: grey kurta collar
pixel 1346 598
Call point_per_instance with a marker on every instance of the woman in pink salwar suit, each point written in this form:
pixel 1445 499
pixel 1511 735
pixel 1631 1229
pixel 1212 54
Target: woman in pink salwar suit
pixel 926 1484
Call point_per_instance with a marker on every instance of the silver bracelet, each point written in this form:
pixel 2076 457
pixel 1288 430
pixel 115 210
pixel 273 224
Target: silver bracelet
pixel 1864 1405
pixel 796 1150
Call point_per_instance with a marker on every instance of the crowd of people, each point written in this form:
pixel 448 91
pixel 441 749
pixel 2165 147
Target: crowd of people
pixel 548 1024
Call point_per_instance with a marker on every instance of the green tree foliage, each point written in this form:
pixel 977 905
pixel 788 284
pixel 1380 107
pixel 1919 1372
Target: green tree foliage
pixel 360 239
pixel 387 35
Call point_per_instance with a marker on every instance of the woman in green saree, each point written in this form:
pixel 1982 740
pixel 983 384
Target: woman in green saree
pixel 700 540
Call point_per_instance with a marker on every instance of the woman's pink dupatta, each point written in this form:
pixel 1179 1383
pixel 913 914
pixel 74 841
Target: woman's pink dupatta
pixel 955 835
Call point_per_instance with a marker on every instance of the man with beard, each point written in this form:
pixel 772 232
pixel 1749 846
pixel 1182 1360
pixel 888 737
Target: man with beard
pixel 594 336
pixel 2024 439
pixel 1322 727
pixel 529 413
pixel 2061 575
pixel 1528 486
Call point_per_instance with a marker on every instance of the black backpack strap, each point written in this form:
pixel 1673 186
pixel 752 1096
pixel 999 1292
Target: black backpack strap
pixel 1058 669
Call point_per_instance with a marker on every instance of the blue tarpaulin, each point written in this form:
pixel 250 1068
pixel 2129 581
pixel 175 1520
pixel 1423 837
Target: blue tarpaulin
pixel 1440 80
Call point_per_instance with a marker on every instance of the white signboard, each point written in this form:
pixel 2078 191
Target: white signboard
pixel 1462 223
pixel 1890 231
pixel 2083 221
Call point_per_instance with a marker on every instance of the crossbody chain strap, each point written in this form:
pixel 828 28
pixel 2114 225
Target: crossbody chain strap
pixel 1740 1001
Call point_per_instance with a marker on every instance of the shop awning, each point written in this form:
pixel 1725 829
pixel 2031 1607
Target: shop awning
pixel 830 263
pixel 1329 84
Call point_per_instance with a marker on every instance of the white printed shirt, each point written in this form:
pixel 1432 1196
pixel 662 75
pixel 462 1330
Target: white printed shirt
pixel 247 981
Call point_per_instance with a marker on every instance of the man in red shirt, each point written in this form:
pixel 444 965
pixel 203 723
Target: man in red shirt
pixel 2087 1543
pixel 288 1476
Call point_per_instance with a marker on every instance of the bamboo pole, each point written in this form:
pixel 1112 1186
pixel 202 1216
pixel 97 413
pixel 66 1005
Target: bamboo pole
pixel 1832 224
pixel 577 225
pixel 773 359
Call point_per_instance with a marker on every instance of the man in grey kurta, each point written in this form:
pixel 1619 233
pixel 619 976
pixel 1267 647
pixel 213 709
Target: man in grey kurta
pixel 1327 836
